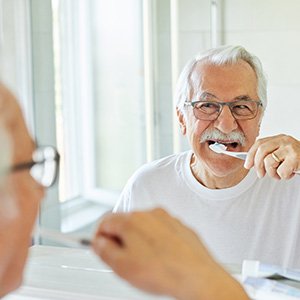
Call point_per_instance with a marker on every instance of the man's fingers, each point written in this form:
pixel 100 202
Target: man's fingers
pixel 104 246
pixel 278 156
pixel 271 166
pixel 249 163
pixel 111 224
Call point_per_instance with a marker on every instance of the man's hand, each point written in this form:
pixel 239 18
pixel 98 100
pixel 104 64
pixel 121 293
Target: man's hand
pixel 157 253
pixel 278 156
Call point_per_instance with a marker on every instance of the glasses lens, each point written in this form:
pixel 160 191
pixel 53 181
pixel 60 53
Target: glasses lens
pixel 206 110
pixel 44 170
pixel 244 109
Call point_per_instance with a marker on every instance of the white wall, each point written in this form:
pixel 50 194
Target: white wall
pixel 271 30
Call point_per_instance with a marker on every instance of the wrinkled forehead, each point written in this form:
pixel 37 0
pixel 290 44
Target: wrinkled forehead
pixel 227 80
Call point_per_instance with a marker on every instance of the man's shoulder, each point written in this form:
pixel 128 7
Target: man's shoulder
pixel 169 161
pixel 160 167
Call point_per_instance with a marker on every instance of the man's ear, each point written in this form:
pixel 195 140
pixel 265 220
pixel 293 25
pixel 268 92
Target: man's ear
pixel 181 120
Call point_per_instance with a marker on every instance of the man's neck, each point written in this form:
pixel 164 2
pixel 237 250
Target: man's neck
pixel 207 178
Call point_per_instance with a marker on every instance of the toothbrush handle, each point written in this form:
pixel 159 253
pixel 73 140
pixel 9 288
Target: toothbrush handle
pixel 241 155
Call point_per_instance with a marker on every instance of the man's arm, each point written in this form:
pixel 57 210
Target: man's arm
pixel 157 253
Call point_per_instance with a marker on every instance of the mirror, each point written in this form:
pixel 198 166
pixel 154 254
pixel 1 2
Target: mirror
pixel 101 80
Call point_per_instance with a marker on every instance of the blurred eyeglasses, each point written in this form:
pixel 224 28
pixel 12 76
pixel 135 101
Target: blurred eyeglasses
pixel 43 167
pixel 210 110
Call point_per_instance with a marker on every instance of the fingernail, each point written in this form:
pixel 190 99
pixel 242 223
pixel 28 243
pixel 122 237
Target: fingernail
pixel 246 164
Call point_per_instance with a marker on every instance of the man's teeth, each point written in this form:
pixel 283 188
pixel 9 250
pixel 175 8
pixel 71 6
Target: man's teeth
pixel 232 144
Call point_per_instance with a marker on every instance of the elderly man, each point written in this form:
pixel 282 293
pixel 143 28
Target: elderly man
pixel 239 212
pixel 20 194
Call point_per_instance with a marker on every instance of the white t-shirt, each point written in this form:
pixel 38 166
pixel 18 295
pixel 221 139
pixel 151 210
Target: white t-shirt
pixel 256 219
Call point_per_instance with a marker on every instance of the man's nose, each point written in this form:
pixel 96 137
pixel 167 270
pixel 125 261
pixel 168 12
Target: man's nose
pixel 226 121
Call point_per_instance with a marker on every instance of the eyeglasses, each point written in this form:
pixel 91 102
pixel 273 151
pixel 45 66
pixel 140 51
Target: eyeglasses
pixel 43 167
pixel 210 110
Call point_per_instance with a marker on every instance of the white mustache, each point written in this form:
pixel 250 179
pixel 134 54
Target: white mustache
pixel 215 134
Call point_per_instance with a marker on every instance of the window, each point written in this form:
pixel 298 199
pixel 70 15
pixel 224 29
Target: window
pixel 108 122
pixel 99 95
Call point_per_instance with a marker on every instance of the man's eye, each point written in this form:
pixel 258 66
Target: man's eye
pixel 241 107
pixel 208 105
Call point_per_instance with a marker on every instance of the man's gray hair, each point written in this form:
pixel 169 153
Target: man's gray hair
pixel 224 55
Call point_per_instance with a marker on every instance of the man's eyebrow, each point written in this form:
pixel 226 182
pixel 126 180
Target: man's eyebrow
pixel 208 95
pixel 242 97
pixel 205 95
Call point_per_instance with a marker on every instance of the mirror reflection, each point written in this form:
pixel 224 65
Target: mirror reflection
pixel 98 83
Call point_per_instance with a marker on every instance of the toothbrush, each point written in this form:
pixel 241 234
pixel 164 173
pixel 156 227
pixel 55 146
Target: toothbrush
pixel 221 149
pixel 64 238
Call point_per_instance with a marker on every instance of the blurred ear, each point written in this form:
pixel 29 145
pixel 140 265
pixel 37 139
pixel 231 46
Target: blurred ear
pixel 181 120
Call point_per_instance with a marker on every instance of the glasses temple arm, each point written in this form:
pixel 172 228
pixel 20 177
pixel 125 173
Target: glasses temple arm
pixel 22 166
